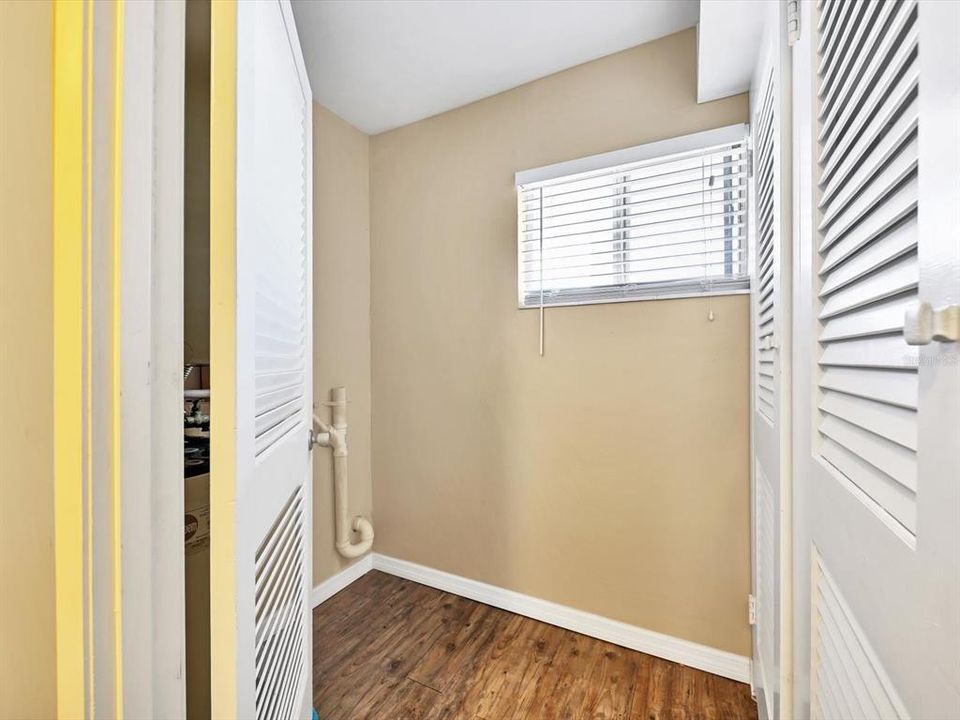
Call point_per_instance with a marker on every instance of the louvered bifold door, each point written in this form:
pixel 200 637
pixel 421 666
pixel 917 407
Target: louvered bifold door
pixel 879 488
pixel 766 398
pixel 261 364
pixel 767 255
pixel 770 316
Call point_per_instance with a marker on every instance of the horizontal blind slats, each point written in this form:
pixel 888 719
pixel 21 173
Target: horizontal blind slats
pixel 673 225
pixel 636 190
pixel 592 273
pixel 655 170
pixel 654 218
pixel 654 252
pixel 677 224
pixel 627 211
pixel 641 199
pixel 703 234
pixel 532 253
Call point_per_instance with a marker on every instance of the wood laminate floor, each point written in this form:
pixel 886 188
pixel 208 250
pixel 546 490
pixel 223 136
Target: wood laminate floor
pixel 390 649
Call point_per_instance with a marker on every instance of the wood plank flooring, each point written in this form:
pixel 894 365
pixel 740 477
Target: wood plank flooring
pixel 390 649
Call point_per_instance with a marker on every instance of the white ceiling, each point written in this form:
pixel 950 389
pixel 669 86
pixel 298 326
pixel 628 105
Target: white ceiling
pixel 380 64
pixel 728 40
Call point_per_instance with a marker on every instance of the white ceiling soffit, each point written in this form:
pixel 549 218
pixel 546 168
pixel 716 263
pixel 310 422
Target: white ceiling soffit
pixel 728 40
pixel 380 64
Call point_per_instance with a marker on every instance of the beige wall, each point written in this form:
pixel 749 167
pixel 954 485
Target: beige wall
pixel 27 639
pixel 341 317
pixel 610 475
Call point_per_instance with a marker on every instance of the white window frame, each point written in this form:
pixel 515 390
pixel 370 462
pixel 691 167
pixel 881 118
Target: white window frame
pixel 661 149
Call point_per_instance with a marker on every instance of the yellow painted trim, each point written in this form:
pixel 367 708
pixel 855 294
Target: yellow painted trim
pixel 223 359
pixel 68 348
pixel 88 335
pixel 117 202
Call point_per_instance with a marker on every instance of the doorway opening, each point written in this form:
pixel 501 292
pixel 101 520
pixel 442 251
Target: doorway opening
pixel 196 358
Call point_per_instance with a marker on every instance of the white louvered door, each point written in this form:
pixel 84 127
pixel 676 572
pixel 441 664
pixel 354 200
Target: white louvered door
pixel 877 89
pixel 261 366
pixel 769 121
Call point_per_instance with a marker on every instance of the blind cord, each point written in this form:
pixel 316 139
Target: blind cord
pixel 707 284
pixel 541 271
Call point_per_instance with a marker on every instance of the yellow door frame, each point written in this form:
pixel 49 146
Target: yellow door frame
pixel 223 293
pixel 70 376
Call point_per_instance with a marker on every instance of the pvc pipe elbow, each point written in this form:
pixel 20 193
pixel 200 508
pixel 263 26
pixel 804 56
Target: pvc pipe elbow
pixel 364 527
pixel 349 550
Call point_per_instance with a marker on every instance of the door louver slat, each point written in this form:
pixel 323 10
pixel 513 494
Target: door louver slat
pixel 868 251
pixel 881 318
pixel 848 680
pixel 885 65
pixel 766 371
pixel 835 25
pixel 766 564
pixel 898 241
pixel 887 386
pixel 842 217
pixel 280 610
pixel 853 37
pixel 897 207
pixel 281 292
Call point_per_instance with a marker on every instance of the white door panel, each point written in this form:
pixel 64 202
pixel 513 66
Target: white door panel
pixel 770 123
pixel 261 332
pixel 877 438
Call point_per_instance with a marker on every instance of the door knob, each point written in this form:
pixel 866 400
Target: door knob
pixel 923 324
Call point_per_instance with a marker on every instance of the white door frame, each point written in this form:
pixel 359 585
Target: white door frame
pixel 118 141
pixel 161 547
pixel 151 361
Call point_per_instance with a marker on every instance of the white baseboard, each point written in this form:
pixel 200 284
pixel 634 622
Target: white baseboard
pixel 331 586
pixel 702 657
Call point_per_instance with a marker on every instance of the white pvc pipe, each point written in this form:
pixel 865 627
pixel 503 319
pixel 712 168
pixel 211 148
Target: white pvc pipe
pixel 335 437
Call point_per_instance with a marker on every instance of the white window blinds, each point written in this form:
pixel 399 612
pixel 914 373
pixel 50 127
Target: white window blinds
pixel 658 220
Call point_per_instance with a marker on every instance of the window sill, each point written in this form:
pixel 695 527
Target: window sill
pixel 660 296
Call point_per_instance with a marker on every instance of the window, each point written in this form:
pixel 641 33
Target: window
pixel 665 219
